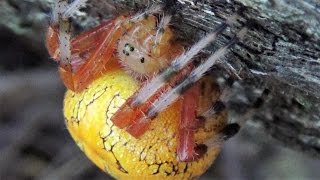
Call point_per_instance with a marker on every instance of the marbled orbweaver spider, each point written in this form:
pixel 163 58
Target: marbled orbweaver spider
pixel 137 105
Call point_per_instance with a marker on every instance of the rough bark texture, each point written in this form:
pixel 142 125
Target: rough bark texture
pixel 281 53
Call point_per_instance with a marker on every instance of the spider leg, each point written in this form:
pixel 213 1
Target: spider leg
pixel 60 30
pixel 179 63
pixel 231 129
pixel 90 51
pixel 141 117
pixel 216 108
pixel 83 58
pixel 186 150
pixel 64 34
pixel 170 96
pixel 73 8
pixel 226 133
pixel 154 9
pixel 160 29
pixel 59 8
pixel 219 105
pixel 154 88
pixel 63 10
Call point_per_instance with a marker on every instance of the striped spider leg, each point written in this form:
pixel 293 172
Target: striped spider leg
pixel 84 58
pixel 177 81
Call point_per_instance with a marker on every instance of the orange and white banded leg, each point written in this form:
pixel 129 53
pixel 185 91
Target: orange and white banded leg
pixel 155 101
pixel 60 24
pixel 141 102
pixel 187 149
pixel 84 58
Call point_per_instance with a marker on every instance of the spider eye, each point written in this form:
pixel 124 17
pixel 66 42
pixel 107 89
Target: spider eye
pixel 142 60
pixel 127 48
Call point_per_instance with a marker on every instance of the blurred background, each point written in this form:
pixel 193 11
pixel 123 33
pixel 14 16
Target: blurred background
pixel 34 143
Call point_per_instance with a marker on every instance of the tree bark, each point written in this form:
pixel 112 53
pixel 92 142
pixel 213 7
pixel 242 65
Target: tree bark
pixel 280 53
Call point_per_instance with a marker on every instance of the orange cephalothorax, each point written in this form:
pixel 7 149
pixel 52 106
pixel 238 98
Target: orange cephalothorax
pixel 147 48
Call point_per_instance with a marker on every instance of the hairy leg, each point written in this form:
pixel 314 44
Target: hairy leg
pixel 158 86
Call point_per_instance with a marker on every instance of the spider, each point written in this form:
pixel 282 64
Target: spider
pixel 137 104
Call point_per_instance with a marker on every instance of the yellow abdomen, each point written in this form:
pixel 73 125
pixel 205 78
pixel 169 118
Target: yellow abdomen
pixel 153 155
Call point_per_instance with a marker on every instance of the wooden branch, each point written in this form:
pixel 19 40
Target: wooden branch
pixel 280 53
